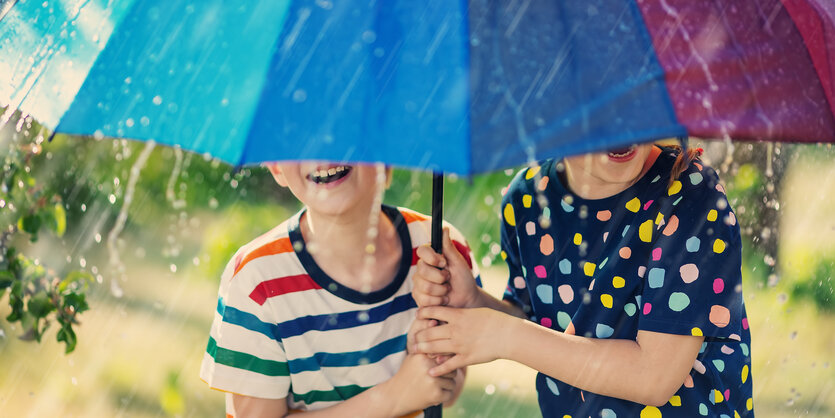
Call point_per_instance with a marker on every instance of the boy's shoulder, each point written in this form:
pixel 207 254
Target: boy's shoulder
pixel 275 241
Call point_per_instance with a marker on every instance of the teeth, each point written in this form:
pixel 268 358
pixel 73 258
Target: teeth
pixel 328 172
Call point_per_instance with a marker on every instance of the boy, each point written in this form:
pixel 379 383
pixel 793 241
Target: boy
pixel 313 316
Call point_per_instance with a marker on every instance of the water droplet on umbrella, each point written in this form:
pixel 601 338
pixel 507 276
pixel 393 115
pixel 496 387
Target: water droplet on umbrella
pixel 793 335
pixel 369 36
pixel 299 96
pixel 157 100
pixel 490 389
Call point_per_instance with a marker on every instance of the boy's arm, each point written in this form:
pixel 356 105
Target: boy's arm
pixel 411 389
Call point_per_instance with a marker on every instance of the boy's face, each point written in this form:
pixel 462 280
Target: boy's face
pixel 329 188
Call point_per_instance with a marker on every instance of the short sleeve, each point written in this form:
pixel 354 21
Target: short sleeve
pixel 243 355
pixel 692 282
pixel 463 247
pixel 516 291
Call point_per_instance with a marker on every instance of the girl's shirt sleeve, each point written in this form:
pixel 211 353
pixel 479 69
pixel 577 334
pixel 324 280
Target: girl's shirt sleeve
pixel 692 282
pixel 516 291
pixel 244 356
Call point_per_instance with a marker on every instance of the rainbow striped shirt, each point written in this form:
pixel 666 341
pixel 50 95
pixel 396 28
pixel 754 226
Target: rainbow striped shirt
pixel 284 329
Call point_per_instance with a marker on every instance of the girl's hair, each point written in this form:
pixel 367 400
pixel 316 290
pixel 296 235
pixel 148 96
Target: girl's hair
pixel 683 160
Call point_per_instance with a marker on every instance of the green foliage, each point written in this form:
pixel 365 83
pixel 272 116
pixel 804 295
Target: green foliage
pixel 37 296
pixel 818 287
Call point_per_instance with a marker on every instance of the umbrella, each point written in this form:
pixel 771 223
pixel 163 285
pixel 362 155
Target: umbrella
pixel 461 87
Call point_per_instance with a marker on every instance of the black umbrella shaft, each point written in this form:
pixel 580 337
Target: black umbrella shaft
pixel 437 211
pixel 437 245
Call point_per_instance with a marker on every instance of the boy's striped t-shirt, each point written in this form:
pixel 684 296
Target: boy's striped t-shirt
pixel 284 329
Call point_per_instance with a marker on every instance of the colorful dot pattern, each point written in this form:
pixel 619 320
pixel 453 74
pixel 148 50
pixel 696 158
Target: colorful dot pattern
pixel 655 257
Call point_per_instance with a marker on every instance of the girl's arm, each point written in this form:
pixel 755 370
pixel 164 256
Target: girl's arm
pixel 410 390
pixel 648 370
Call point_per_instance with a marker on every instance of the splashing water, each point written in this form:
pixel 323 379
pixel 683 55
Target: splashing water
pixel 116 263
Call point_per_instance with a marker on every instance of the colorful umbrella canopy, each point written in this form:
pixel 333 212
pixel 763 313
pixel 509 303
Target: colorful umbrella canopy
pixel 463 87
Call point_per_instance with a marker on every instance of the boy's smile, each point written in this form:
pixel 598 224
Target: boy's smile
pixel 329 175
pixel 330 188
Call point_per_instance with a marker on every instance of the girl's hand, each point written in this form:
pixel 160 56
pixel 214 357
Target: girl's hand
pixel 444 279
pixel 470 336
pixel 417 326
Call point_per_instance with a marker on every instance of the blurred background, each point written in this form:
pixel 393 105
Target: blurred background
pixel 140 234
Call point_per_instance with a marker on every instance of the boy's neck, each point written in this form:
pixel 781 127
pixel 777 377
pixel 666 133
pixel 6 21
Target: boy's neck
pixel 339 246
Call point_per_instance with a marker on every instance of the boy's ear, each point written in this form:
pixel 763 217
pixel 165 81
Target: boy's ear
pixel 389 175
pixel 278 175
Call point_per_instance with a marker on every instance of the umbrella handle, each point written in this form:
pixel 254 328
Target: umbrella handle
pixel 437 233
pixel 437 211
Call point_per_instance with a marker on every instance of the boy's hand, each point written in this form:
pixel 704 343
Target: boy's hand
pixel 417 326
pixel 413 389
pixel 443 279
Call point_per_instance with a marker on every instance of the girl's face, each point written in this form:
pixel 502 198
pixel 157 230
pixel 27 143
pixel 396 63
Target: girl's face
pixel 329 188
pixel 603 174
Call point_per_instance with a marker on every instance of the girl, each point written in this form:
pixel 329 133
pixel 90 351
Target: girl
pixel 624 289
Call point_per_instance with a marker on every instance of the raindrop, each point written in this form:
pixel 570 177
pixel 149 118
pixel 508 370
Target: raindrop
pixel 490 389
pixel 195 261
pixel 224 102
pixel 129 123
pixel 363 316
pixel 782 298
pixel 157 100
pixel 299 96
pixel 98 238
pixel 82 262
pixel 144 121
pixel 116 290
pixel 213 203
pixel 84 207
pixel 773 279
pixel 793 335
pixel 486 261
pixel 173 268
pixel 325 4
pixel 369 36
pixel 112 199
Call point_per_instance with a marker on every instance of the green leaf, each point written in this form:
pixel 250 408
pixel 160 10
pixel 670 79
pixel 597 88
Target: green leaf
pixel 84 279
pixel 30 223
pixel 67 336
pixel 55 218
pixel 76 301
pixel 40 305
pixel 6 279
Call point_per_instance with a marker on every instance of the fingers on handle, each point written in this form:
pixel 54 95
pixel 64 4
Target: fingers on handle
pixel 429 256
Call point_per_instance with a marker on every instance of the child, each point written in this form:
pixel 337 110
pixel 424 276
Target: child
pixel 630 281
pixel 306 321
